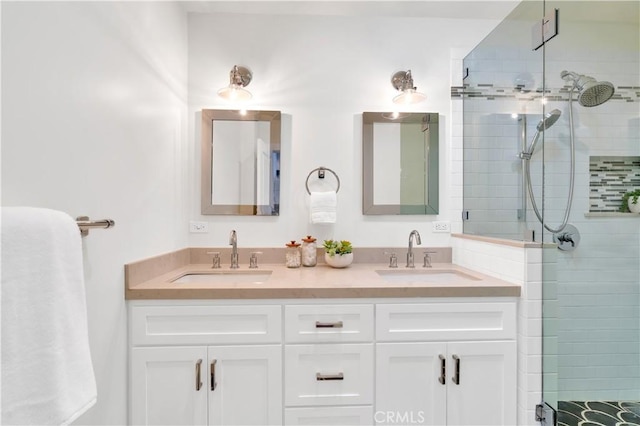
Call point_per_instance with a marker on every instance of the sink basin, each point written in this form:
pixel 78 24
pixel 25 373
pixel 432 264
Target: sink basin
pixel 221 277
pixel 439 276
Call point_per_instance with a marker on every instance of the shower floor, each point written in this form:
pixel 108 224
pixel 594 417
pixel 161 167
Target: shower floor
pixel 598 413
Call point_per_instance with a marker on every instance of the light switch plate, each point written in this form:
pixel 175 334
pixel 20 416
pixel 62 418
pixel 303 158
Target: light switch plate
pixel 198 227
pixel 442 226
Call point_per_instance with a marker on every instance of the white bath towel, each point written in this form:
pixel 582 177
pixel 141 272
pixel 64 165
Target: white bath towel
pixel 47 373
pixel 323 206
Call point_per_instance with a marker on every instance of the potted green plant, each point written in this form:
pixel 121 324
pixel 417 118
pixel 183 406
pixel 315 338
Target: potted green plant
pixel 338 253
pixel 630 201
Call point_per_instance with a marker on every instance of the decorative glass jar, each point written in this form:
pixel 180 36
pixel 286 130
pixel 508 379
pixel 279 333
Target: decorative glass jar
pixel 309 251
pixel 292 255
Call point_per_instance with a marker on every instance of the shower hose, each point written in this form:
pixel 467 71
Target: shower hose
pixel 527 170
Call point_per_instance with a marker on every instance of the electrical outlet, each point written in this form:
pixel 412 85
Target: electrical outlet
pixel 198 227
pixel 443 226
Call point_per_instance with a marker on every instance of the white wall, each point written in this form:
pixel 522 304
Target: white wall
pixel 94 123
pixel 322 72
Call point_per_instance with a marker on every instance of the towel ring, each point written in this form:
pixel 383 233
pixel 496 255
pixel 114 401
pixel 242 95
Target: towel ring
pixel 321 171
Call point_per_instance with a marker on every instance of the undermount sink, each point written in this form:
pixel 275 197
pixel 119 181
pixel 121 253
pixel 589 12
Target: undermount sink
pixel 439 276
pixel 222 277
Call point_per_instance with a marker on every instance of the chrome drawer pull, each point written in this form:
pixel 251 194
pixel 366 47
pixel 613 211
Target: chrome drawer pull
pixel 198 377
pixel 320 376
pixel 213 375
pixel 456 377
pixel 443 370
pixel 337 324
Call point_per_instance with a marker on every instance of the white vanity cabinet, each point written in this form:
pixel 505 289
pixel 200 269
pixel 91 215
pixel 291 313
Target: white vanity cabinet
pixel 198 365
pixel 446 364
pixel 446 361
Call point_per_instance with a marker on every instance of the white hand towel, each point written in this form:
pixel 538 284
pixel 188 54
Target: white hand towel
pixel 323 206
pixel 47 373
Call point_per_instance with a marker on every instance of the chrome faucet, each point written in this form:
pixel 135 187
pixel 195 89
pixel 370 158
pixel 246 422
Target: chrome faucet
pixel 414 235
pixel 233 242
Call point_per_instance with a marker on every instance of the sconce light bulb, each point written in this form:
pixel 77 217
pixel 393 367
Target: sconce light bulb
pixel 409 96
pixel 514 115
pixel 233 92
pixel 243 112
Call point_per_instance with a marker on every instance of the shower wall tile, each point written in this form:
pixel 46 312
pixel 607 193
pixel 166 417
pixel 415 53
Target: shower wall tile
pixel 596 281
pixel 510 263
pixel 490 92
pixel 610 178
pixel 599 280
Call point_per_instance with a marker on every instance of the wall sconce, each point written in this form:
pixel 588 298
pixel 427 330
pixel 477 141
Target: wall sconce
pixel 403 81
pixel 239 78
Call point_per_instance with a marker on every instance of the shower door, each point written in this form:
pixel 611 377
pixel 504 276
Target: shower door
pixel 550 109
pixel 591 315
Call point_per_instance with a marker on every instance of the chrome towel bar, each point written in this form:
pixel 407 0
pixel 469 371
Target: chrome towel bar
pixel 85 224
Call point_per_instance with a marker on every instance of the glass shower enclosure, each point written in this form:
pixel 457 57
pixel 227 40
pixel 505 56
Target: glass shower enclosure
pixel 551 145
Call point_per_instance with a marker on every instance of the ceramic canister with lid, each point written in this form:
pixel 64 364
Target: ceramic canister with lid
pixel 292 255
pixel 309 251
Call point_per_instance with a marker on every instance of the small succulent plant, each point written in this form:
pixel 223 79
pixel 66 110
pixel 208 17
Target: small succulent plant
pixel 333 247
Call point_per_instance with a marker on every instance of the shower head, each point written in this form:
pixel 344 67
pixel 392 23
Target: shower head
pixel 590 92
pixel 548 120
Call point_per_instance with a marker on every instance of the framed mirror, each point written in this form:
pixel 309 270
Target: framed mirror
pixel 240 162
pixel 400 163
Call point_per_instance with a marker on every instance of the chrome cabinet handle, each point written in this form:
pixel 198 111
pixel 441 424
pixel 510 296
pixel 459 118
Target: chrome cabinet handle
pixel 321 377
pixel 456 376
pixel 213 375
pixel 198 377
pixel 337 324
pixel 443 370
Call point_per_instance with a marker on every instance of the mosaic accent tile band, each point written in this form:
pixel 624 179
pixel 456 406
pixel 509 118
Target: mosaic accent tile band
pixel 489 92
pixel 609 179
pixel 598 413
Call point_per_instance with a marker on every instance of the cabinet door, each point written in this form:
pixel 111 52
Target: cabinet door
pixel 165 387
pixel 245 385
pixel 408 385
pixel 485 392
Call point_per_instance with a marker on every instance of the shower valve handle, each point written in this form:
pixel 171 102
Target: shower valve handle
pixel 566 237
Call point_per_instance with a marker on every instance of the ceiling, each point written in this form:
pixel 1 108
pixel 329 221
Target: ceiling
pixel 468 9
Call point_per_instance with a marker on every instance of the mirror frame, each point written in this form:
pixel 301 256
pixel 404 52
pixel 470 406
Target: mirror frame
pixel 207 207
pixel 368 205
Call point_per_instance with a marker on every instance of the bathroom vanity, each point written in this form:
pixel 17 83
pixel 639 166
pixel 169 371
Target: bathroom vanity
pixel 322 346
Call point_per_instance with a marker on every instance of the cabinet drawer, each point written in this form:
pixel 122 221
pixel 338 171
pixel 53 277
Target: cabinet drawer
pixel 328 323
pixel 328 374
pixel 325 416
pixel 167 325
pixel 445 321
